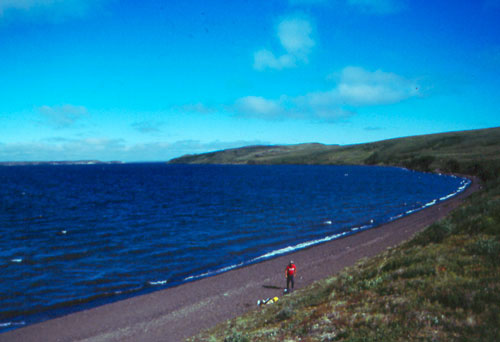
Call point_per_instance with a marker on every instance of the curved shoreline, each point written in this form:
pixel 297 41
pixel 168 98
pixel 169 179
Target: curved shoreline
pixel 179 312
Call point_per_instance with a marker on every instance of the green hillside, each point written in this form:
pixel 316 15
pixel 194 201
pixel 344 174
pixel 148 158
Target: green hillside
pixel 443 285
pixel 464 152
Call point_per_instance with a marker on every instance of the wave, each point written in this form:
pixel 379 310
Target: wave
pixel 12 324
pixel 275 253
pixel 463 185
pixel 290 249
pixel 212 273
pixel 157 282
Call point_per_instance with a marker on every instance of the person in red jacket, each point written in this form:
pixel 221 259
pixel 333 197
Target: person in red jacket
pixel 290 272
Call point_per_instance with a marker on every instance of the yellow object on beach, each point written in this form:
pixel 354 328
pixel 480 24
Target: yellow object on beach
pixel 267 301
pixel 272 301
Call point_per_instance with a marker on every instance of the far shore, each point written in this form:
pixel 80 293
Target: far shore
pixel 180 312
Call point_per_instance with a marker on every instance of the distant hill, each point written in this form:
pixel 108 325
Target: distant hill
pixel 451 152
pixel 260 154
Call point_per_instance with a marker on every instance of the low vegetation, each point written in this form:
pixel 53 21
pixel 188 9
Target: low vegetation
pixel 443 285
pixel 468 152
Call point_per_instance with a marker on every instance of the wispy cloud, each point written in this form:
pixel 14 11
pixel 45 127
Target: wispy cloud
pixel 195 146
pixel 285 107
pixel 54 9
pixel 260 106
pixel 24 5
pixel 62 116
pixel 199 108
pixel 294 34
pixel 148 126
pixel 356 87
pixel 373 128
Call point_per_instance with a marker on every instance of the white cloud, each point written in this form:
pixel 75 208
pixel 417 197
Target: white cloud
pixel 63 116
pixel 356 87
pixel 259 106
pixel 294 34
pixel 308 107
pixel 359 87
pixel 266 59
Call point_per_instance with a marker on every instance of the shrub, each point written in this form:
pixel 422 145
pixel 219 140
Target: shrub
pixel 237 337
pixel 422 163
pixel 452 165
pixel 373 159
pixel 419 270
pixel 284 314
pixel 449 295
pixel 489 248
pixel 435 233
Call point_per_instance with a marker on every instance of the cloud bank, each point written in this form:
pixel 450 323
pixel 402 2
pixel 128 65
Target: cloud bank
pixel 104 149
pixel 356 87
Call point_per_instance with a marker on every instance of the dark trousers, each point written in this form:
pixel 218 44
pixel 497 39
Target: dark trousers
pixel 289 280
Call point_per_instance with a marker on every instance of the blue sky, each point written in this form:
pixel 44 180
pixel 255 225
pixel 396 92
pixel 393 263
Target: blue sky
pixel 152 80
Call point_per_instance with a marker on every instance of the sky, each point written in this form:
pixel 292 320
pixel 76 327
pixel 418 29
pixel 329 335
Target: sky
pixel 152 80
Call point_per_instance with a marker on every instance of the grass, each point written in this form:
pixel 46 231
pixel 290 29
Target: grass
pixel 442 285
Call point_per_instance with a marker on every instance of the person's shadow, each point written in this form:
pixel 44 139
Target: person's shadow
pixel 272 287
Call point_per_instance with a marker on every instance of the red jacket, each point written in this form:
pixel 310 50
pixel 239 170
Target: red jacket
pixel 291 270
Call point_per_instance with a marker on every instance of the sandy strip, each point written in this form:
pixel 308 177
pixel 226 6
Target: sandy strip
pixel 177 313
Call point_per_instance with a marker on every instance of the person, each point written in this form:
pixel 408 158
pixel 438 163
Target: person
pixel 290 272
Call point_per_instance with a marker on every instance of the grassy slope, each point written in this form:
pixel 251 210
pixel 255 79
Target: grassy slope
pixel 455 152
pixel 443 285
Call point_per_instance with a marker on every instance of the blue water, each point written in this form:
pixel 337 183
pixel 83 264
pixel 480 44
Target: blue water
pixel 74 236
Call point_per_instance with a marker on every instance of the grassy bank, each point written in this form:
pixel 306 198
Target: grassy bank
pixel 443 285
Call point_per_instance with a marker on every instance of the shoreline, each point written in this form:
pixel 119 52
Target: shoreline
pixel 176 313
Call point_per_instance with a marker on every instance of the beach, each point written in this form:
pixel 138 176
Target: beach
pixel 177 313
